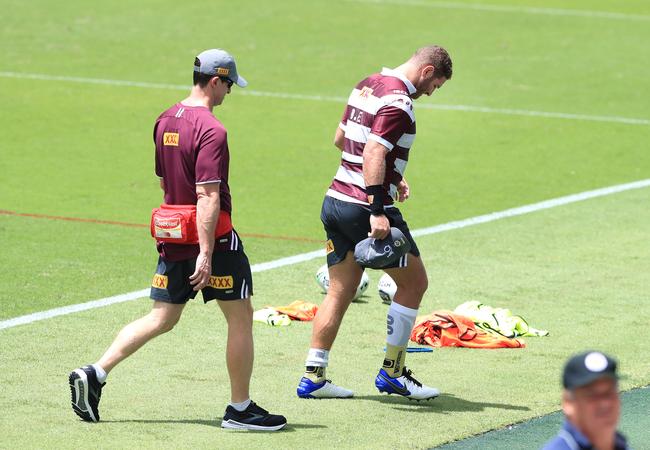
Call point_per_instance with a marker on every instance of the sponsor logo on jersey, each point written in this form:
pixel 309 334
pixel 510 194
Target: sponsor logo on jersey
pixel 222 71
pixel 170 139
pixel 221 282
pixel 329 247
pixel 365 92
pixel 159 281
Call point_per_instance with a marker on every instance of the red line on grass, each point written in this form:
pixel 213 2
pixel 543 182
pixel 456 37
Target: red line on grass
pixel 141 225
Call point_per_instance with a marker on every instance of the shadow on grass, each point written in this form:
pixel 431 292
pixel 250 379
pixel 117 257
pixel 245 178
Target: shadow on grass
pixel 443 404
pixel 216 423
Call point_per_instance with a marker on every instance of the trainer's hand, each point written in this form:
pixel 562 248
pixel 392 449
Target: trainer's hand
pixel 201 276
pixel 403 190
pixel 379 227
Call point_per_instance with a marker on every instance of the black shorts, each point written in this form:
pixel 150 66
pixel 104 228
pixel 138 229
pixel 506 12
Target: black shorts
pixel 347 224
pixel 231 278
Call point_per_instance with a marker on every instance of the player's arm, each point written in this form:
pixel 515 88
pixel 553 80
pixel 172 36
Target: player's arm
pixel 374 169
pixel 207 214
pixel 339 138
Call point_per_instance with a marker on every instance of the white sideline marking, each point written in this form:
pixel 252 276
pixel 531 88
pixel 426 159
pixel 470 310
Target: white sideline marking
pixel 341 100
pixel 291 260
pixel 513 9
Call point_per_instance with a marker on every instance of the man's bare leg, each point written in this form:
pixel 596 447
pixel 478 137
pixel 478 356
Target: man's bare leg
pixel 344 279
pixel 239 350
pixel 162 318
pixel 86 382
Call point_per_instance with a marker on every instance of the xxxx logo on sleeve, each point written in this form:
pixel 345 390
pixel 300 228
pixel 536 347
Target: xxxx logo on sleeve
pixel 159 281
pixel 221 282
pixel 329 247
pixel 170 139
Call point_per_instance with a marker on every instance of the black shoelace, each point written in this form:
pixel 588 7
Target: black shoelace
pixel 257 409
pixel 408 375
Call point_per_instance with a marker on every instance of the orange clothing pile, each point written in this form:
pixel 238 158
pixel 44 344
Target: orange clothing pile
pixel 447 329
pixel 298 310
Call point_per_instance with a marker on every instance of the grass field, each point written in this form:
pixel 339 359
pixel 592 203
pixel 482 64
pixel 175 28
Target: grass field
pixel 546 100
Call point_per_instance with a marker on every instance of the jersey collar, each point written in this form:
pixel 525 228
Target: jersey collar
pixel 394 73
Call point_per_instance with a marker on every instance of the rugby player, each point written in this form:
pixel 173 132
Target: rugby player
pixel 375 136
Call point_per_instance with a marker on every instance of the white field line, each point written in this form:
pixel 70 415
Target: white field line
pixel 296 259
pixel 341 100
pixel 513 9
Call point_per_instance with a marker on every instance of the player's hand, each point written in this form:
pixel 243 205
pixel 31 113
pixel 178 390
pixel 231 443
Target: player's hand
pixel 403 190
pixel 379 227
pixel 201 276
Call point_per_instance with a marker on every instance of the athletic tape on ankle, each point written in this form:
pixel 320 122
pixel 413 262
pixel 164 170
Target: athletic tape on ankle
pixel 317 357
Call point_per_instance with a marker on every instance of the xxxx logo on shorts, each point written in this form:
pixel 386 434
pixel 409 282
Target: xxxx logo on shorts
pixel 170 139
pixel 159 281
pixel 221 282
pixel 329 247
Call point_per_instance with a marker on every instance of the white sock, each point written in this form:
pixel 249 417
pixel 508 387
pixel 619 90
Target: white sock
pixel 100 372
pixel 400 321
pixel 317 357
pixel 241 405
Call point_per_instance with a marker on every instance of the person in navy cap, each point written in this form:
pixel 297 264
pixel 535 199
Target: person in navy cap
pixel 591 405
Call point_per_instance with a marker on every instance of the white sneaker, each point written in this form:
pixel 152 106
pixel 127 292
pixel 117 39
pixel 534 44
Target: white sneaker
pixel 404 385
pixel 324 389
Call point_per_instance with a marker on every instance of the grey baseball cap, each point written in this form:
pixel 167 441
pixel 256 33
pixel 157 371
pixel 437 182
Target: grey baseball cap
pixel 587 367
pixel 378 253
pixel 219 63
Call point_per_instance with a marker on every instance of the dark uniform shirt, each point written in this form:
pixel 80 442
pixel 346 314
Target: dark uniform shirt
pixel 191 148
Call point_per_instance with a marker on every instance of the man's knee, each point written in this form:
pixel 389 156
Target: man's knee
pixel 413 288
pixel 342 291
pixel 415 285
pixel 164 323
pixel 238 312
pixel 344 280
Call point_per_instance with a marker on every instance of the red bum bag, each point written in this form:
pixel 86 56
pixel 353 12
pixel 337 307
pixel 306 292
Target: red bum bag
pixel 177 224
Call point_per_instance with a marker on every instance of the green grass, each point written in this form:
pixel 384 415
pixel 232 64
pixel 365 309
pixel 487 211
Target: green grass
pixel 553 267
pixel 85 151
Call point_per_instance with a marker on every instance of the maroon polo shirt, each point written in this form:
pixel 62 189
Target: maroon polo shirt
pixel 191 148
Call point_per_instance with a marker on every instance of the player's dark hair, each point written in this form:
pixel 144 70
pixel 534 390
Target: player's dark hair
pixel 437 57
pixel 201 79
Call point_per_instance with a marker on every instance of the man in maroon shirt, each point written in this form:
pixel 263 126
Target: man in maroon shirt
pixel 192 160
pixel 375 136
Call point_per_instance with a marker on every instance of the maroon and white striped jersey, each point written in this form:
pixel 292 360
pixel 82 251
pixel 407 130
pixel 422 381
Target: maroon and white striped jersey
pixel 379 108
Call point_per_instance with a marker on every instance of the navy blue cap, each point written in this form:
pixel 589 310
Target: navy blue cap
pixel 587 367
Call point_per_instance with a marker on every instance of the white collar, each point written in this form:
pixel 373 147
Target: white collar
pixel 394 73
